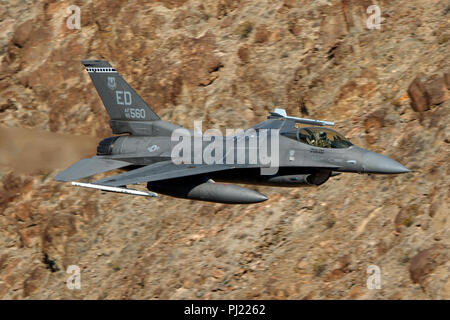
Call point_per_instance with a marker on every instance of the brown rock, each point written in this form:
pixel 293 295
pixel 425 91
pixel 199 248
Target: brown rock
pixel 3 290
pixel 244 29
pixel 447 80
pixel 289 3
pixel 331 30
pixel 12 186
pixel 30 236
pixel 199 59
pixel 375 120
pixel 281 294
pixel 419 96
pixel 225 7
pixel 9 274
pixel 355 13
pixel 347 14
pixel 341 52
pixel 36 279
pixel 56 236
pixel 22 212
pixel 244 53
pixel 355 293
pixel 249 115
pixel 3 258
pixel 334 275
pixel 218 274
pixel 9 105
pixel 22 33
pixel 353 88
pixel 396 296
pixel 295 29
pixel 261 34
pixel 341 269
pixel 228 21
pixel 276 35
pixel 436 90
pixel 34 50
pixel 403 219
pixel 425 92
pixel 301 265
pixel 256 82
pixel 423 263
pixel 172 3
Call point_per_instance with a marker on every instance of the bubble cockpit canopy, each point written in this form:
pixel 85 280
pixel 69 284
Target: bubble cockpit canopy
pixel 319 137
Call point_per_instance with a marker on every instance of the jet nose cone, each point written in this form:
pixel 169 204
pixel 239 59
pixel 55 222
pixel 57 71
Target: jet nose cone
pixel 377 163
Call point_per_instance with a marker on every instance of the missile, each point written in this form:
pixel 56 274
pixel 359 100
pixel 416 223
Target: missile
pixel 281 113
pixel 114 189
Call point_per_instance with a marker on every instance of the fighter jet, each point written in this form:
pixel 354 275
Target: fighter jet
pixel 147 150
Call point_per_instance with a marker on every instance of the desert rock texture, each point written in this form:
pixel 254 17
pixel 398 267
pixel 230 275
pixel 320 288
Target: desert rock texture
pixel 228 63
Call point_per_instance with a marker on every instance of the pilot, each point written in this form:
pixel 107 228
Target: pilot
pixel 324 142
pixel 311 140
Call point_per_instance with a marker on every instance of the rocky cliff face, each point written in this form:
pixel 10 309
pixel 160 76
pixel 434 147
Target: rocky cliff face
pixel 227 63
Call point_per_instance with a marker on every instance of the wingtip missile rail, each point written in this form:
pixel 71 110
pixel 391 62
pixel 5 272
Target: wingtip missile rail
pixel 281 113
pixel 114 189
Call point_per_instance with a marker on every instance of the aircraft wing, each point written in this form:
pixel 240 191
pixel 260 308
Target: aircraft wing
pixel 88 167
pixel 160 171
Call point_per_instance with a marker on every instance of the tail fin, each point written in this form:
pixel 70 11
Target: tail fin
pixel 128 111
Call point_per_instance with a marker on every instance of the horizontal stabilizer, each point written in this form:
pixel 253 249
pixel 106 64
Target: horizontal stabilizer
pixel 88 167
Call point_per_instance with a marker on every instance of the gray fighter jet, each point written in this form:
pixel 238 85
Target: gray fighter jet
pixel 144 148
